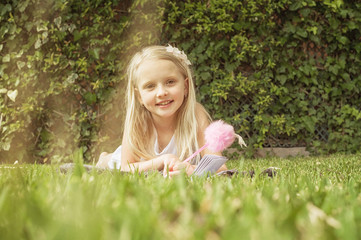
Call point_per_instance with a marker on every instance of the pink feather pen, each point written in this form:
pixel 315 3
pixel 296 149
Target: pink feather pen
pixel 219 136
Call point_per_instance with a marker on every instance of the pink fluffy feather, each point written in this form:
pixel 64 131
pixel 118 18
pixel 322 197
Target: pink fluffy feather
pixel 218 136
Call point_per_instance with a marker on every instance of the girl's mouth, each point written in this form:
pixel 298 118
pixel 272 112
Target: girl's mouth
pixel 164 103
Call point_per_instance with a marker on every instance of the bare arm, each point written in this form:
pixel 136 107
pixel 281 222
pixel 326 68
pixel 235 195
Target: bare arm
pixel 104 158
pixel 129 163
pixel 157 163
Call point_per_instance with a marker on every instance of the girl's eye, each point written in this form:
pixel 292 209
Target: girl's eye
pixel 149 86
pixel 170 82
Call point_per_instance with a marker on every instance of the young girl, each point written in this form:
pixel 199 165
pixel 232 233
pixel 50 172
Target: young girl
pixel 164 123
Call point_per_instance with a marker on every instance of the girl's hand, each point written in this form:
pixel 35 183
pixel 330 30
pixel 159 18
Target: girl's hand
pixel 178 167
pixel 168 161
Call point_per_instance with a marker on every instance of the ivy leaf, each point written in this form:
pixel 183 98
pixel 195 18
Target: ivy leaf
pixel 37 43
pixel 57 21
pixel 238 25
pixel 77 35
pixel 2 68
pixel 44 35
pixel 352 25
pixel 282 79
pixel 6 145
pixel 12 94
pixel 334 69
pixel 61 143
pixel 306 69
pixel 313 30
pixel 346 76
pixel 71 78
pixel 301 32
pixel 20 64
pixel 349 86
pixel 5 9
pixel 3 90
pixel 94 53
pixel 29 26
pixel 230 66
pixel 296 5
pixel 309 123
pixel 334 23
pixel 205 75
pixel 71 28
pixel 344 40
pixel 289 27
pixel 285 99
pixel 305 12
pixel 22 5
pixel 41 28
pixel 3 31
pixel 90 98
pixel 19 54
pixel 6 58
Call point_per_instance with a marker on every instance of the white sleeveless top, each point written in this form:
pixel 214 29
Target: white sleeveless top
pixel 115 160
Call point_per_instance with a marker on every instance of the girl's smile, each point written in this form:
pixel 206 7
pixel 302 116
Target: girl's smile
pixel 161 88
pixel 165 103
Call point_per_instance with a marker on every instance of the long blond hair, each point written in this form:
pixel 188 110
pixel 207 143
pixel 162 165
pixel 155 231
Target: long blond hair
pixel 139 127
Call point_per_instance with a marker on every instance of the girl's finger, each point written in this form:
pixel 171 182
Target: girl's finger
pixel 179 166
pixel 165 169
pixel 171 165
pixel 174 173
pixel 190 169
pixel 174 162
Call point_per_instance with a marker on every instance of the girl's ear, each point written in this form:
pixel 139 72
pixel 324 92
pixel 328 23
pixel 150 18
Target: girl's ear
pixel 137 95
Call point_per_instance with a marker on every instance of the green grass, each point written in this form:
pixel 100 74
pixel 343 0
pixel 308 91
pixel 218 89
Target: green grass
pixel 310 198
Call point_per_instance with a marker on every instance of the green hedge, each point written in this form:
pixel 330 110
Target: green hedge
pixel 281 71
pixel 284 73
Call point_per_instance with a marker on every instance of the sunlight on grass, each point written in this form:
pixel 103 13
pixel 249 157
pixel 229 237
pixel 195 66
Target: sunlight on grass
pixel 309 198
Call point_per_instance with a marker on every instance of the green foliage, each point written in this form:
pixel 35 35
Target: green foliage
pixel 61 62
pixel 309 198
pixel 277 70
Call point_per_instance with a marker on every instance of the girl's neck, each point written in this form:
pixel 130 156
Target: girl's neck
pixel 165 126
pixel 165 130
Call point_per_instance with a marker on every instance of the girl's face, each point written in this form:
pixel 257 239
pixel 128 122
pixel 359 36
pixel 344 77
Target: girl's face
pixel 161 88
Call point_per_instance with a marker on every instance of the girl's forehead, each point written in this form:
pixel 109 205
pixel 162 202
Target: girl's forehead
pixel 157 68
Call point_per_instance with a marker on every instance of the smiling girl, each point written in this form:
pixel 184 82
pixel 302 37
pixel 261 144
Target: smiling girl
pixel 164 123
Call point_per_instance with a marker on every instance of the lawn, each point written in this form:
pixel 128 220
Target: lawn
pixel 309 198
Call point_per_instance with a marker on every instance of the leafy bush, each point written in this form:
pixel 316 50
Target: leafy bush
pixel 284 73
pixel 62 59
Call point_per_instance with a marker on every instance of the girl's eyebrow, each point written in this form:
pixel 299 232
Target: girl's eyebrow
pixel 171 77
pixel 146 83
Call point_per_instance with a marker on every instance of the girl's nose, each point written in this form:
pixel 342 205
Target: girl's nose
pixel 161 92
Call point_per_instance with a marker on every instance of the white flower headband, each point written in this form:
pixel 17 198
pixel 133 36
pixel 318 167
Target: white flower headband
pixel 179 54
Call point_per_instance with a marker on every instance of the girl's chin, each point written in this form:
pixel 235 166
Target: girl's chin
pixel 164 115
